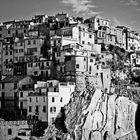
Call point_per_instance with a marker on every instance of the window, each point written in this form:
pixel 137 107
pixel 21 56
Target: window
pixel 61 99
pixel 103 34
pixel 35 72
pixel 53 99
pixel 47 73
pixel 42 73
pixel 6 53
pixel 30 109
pixel 30 99
pixel 29 65
pixel 89 68
pixel 58 54
pixel 29 42
pixel 91 60
pixel 6 47
pixel 54 89
pixel 9 131
pixel 84 34
pixel 16 50
pixel 37 109
pixel 52 109
pixel 8 31
pixel 34 41
pixel 16 32
pixel 20 50
pixel 77 66
pixel 47 63
pixel 61 69
pixel 11 53
pixel 100 34
pixel 59 41
pixel 20 43
pixel 21 58
pixel 21 105
pixel 52 119
pixel 34 49
pixel 3 85
pixel 21 94
pixel 44 108
pixel 11 47
pixel 36 64
pixel 83 42
pixel 15 95
pixel 90 36
pixel 44 99
pixel 3 94
pixel 15 85
pixel 36 99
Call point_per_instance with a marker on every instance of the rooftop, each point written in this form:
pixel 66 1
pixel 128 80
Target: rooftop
pixel 12 79
pixel 37 94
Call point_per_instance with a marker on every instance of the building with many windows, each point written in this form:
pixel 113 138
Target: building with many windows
pixel 10 87
pixel 45 103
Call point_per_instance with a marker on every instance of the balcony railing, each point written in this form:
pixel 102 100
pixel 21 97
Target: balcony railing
pixel 44 67
pixel 29 53
pixel 8 98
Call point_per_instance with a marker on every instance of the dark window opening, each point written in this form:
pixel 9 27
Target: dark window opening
pixel 9 131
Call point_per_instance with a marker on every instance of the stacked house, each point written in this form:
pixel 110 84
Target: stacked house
pixel 44 58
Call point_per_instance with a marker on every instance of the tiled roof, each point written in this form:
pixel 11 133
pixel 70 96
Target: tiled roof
pixel 12 79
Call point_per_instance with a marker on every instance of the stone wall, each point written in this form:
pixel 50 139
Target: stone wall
pixel 82 79
pixel 94 115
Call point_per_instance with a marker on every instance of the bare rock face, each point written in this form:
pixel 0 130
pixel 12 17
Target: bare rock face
pixel 95 115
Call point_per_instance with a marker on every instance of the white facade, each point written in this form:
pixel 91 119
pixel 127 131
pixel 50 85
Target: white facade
pixel 9 129
pixel 99 21
pixel 48 99
pixel 37 106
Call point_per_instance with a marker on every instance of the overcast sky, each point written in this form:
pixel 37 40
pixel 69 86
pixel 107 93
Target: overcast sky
pixel 120 12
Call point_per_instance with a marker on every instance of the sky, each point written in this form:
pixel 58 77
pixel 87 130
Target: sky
pixel 120 12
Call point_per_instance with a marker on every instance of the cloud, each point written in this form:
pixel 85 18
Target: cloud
pixel 138 9
pixel 131 3
pixel 133 22
pixel 81 6
pixel 115 21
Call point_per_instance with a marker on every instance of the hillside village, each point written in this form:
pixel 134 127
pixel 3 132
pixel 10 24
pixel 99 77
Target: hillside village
pixel 45 59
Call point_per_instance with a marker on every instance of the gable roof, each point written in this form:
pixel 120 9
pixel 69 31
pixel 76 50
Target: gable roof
pixel 12 79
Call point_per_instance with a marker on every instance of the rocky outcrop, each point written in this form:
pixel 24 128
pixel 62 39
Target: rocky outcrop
pixel 95 115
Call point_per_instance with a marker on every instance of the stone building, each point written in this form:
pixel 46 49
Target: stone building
pixel 10 87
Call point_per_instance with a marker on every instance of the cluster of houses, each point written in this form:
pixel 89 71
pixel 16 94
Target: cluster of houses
pixel 43 59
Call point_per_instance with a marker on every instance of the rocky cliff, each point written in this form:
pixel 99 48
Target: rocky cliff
pixel 95 115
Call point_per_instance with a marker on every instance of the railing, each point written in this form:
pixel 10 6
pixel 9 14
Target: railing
pixel 8 98
pixel 44 67
pixel 12 123
pixel 71 83
pixel 29 53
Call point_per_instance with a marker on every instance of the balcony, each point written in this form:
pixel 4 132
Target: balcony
pixel 8 98
pixel 44 67
pixel 26 87
pixel 62 84
pixel 29 53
